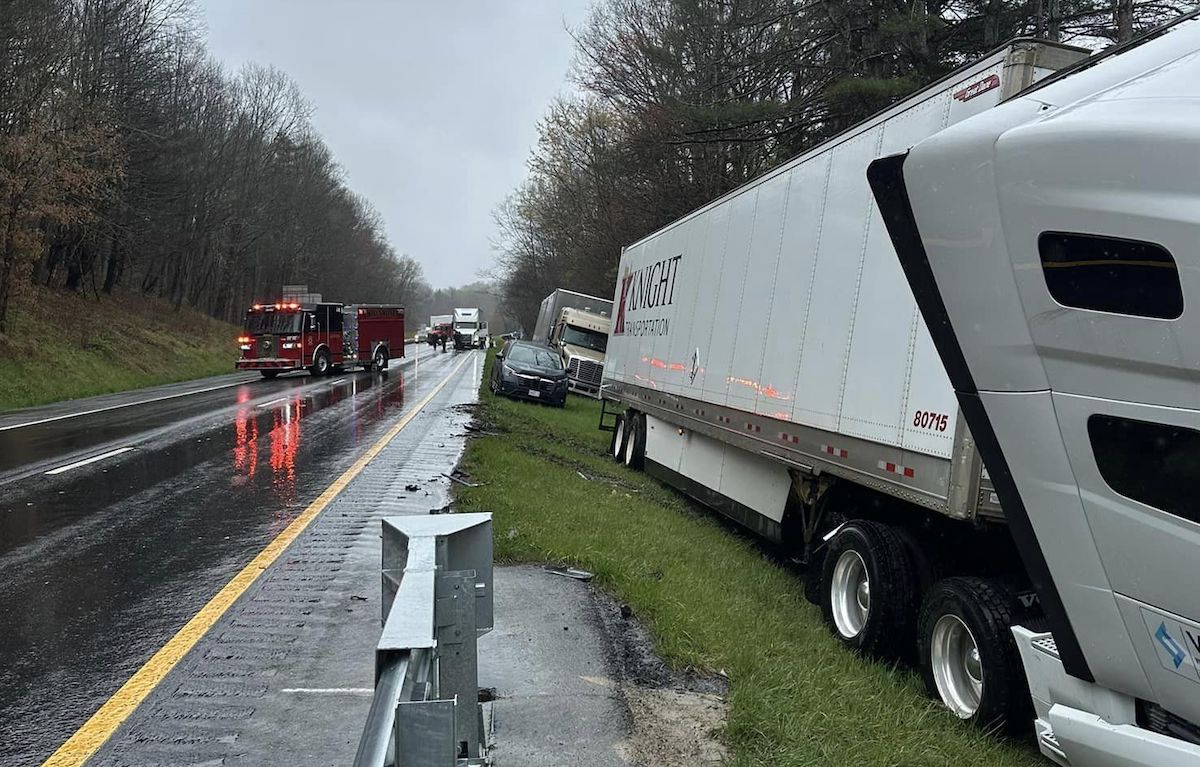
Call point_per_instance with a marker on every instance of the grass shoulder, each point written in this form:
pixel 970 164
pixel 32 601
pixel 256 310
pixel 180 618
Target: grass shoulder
pixel 63 346
pixel 711 598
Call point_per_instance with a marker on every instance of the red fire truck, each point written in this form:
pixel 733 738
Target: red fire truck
pixel 320 337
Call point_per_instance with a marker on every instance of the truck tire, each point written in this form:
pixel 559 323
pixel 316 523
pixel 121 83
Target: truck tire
pixel 269 374
pixel 968 657
pixel 380 360
pixel 868 590
pixel 635 442
pixel 620 434
pixel 321 366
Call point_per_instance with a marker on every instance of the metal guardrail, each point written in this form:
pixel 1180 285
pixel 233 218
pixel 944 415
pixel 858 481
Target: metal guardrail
pixel 437 601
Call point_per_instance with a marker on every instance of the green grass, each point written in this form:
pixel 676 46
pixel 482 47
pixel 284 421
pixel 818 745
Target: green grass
pixel 711 598
pixel 62 346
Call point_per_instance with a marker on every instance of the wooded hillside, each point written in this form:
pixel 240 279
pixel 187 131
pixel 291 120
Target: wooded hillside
pixel 129 157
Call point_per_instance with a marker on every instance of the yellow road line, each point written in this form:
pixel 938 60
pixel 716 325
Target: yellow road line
pixel 100 727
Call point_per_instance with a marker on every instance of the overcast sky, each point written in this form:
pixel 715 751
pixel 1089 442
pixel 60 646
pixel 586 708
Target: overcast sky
pixel 430 106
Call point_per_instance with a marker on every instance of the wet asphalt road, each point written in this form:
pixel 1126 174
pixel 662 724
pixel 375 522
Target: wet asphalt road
pixel 102 563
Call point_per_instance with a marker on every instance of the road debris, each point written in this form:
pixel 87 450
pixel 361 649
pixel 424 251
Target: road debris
pixel 569 572
pixel 455 478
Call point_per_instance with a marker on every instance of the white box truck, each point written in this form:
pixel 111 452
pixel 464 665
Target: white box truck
pixel 576 325
pixel 769 358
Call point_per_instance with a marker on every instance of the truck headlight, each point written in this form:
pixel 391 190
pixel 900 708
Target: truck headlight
pixel 288 346
pixel 245 347
pixel 509 370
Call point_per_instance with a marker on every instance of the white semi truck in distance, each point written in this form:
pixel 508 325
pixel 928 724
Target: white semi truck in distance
pixel 576 325
pixel 975 415
pixel 470 330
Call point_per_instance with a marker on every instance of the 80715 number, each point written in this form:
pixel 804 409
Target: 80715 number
pixel 926 419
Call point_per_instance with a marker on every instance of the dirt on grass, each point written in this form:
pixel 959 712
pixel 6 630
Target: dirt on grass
pixel 676 717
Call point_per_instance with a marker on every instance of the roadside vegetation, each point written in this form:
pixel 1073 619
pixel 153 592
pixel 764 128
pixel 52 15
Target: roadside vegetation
pixel 713 599
pixel 62 346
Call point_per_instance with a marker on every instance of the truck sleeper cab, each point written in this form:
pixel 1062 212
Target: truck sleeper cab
pixel 1066 332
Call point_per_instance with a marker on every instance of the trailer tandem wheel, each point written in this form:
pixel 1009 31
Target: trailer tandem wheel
pixel 635 440
pixel 868 590
pixel 968 657
pixel 619 435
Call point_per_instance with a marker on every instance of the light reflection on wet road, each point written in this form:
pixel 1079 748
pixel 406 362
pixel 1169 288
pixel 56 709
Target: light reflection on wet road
pixel 101 564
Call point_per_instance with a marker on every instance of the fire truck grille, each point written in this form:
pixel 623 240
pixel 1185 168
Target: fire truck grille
pixel 586 371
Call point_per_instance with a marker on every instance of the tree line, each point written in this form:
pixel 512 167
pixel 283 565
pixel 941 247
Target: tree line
pixel 129 158
pixel 681 101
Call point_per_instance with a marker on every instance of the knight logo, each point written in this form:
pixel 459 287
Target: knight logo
pixel 988 83
pixel 646 288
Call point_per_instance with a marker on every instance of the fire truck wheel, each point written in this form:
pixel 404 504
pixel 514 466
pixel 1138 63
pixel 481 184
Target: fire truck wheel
pixel 868 590
pixel 969 660
pixel 381 359
pixel 320 366
pixel 269 374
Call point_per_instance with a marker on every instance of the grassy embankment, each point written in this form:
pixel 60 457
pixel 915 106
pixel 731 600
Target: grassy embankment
pixel 62 346
pixel 709 596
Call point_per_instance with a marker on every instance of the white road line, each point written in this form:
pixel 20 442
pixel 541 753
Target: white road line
pixel 272 402
pixel 126 404
pixel 335 383
pixel 332 690
pixel 86 461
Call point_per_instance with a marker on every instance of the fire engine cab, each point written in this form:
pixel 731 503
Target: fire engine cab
pixel 321 337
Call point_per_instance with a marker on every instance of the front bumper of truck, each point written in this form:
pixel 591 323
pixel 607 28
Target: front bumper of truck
pixel 268 363
pixel 1081 724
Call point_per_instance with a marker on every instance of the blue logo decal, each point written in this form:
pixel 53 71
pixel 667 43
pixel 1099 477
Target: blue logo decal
pixel 1170 645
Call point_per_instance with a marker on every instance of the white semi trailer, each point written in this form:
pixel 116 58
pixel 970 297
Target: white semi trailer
pixel 768 357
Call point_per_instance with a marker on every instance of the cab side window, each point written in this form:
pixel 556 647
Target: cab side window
pixel 1153 463
pixel 1108 274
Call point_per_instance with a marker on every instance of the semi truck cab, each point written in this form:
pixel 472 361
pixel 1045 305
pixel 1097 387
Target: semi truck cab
pixel 1050 243
pixel 581 338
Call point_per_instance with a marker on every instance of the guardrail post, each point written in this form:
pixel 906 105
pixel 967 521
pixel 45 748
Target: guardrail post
pixel 458 672
pixel 437 601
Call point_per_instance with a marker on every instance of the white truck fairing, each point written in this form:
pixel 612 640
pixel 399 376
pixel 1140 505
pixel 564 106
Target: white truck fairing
pixel 1051 243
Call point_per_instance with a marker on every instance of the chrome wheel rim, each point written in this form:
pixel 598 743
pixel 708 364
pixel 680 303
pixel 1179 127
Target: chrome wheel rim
pixel 620 432
pixel 630 447
pixel 850 594
pixel 957 668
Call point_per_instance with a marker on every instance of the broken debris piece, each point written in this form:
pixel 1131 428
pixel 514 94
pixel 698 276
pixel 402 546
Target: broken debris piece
pixel 460 480
pixel 569 572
